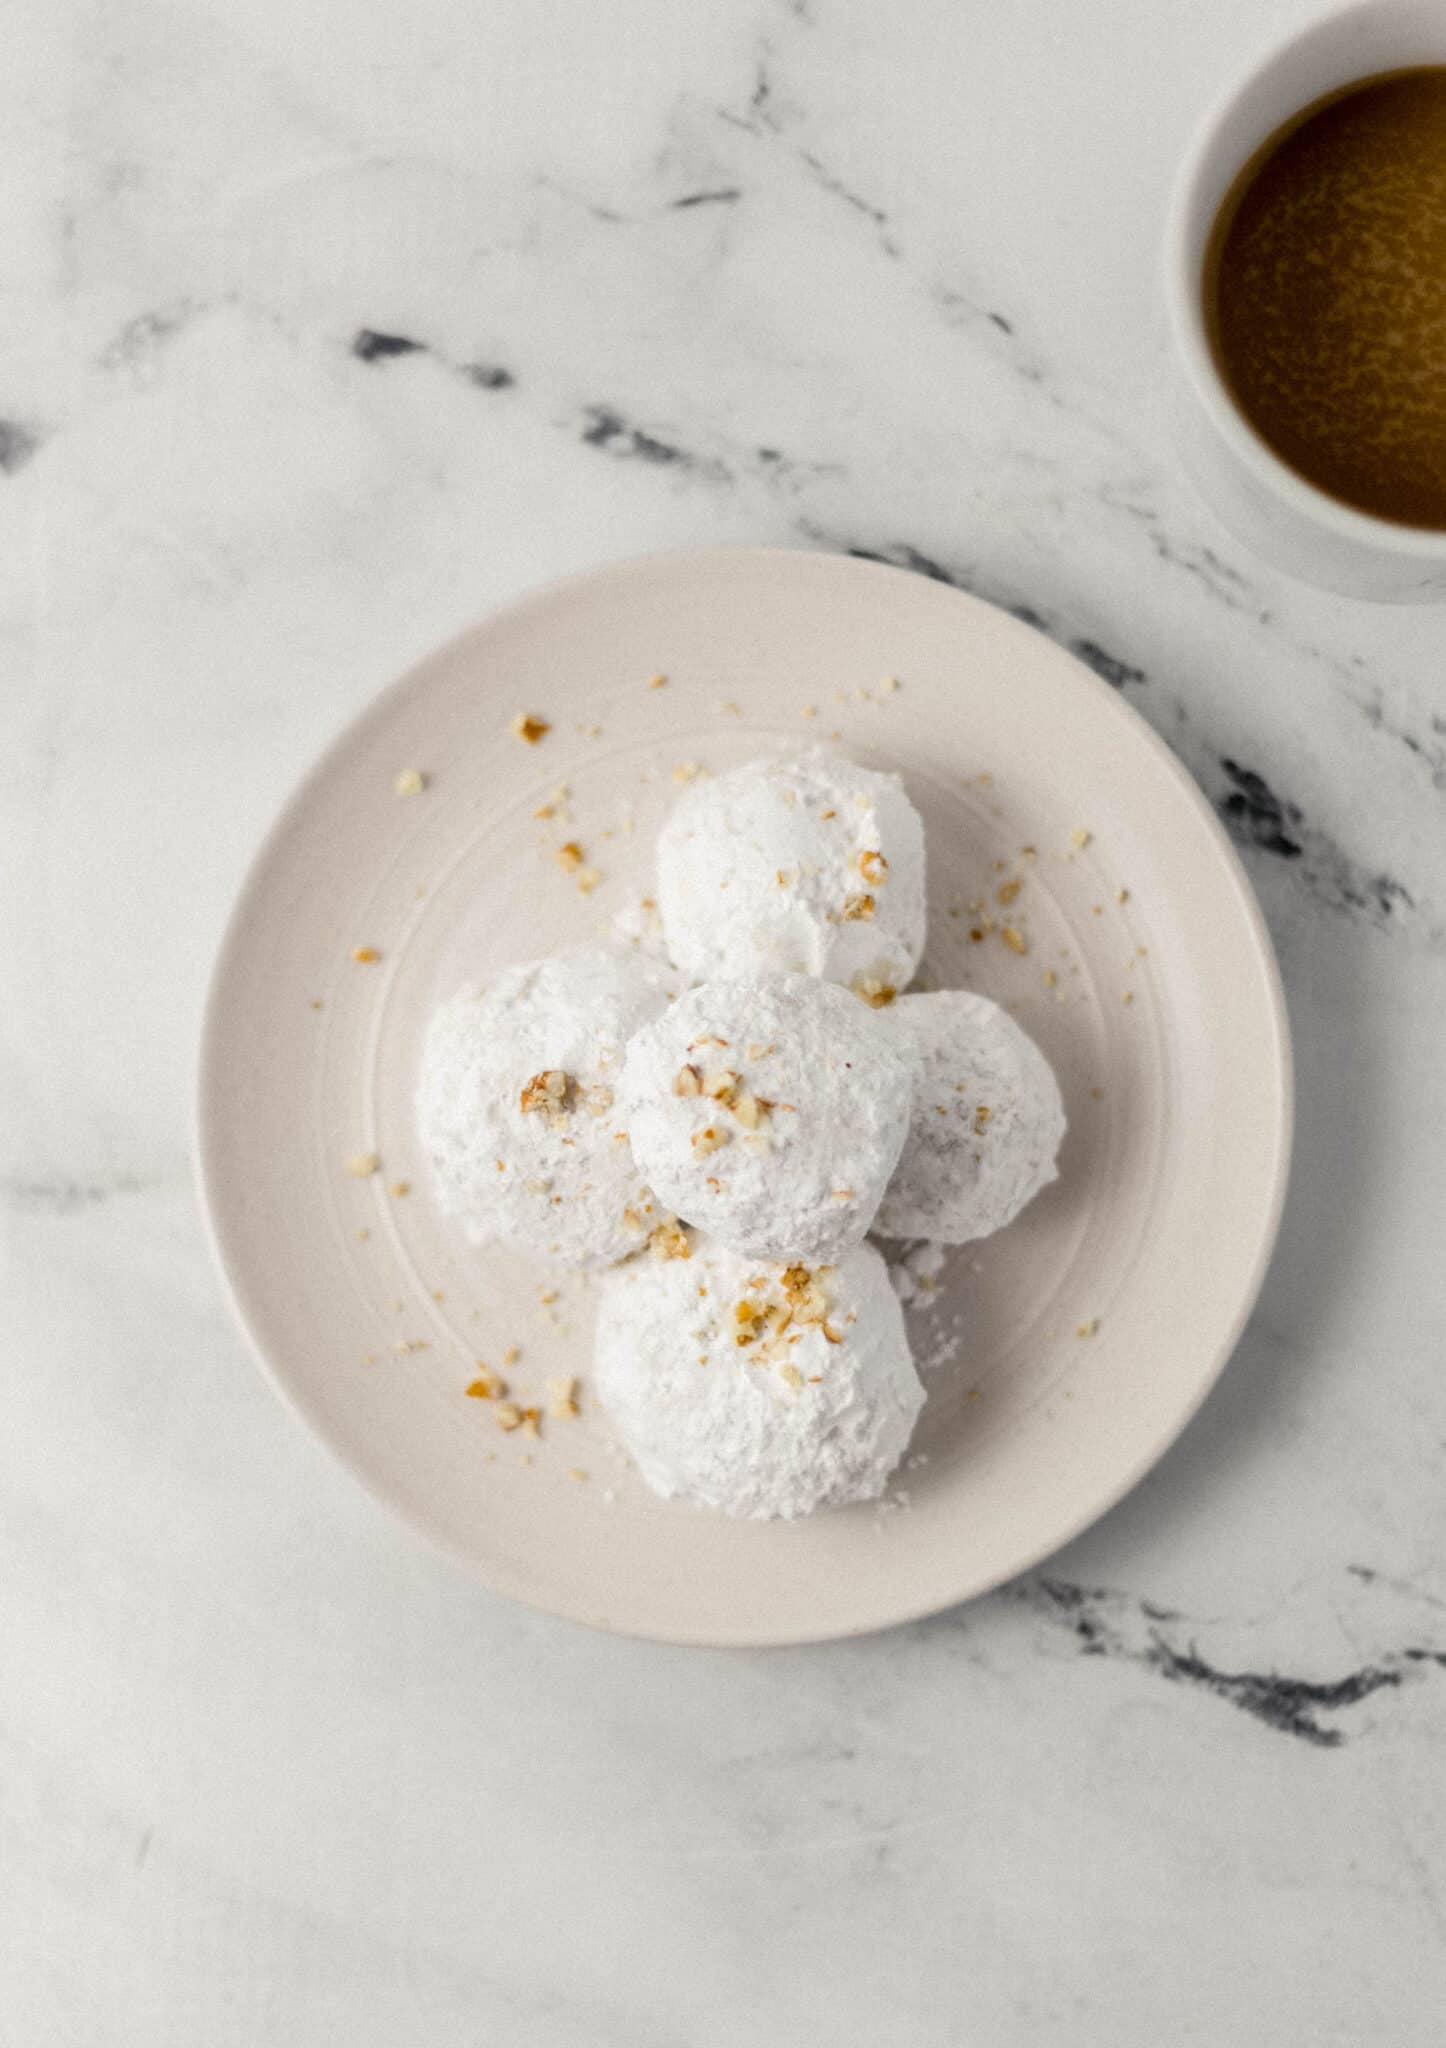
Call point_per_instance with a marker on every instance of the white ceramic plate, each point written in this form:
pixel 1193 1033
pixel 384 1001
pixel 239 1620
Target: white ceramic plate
pixel 1148 979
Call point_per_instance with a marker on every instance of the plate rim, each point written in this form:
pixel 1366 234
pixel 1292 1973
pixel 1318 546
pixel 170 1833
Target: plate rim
pixel 673 561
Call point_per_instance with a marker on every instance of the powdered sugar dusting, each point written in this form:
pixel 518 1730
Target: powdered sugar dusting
pixel 810 866
pixel 770 1111
pixel 519 1108
pixel 758 1415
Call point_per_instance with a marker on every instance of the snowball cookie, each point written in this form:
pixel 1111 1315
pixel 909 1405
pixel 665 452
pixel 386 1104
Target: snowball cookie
pixel 517 1107
pixel 810 866
pixel 759 1390
pixel 770 1112
pixel 986 1125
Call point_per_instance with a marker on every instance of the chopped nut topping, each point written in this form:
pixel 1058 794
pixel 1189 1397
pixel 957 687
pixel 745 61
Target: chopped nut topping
pixel 722 1086
pixel 509 1415
pixel 598 1100
pixel 365 954
pixel 749 1109
pixel 486 1387
pixel 363 1164
pixel 747 1315
pixel 877 994
pixel 687 1081
pixel 670 1241
pixel 1007 892
pixel 525 726
pixel 1014 939
pixel 632 1220
pixel 791 1376
pixel 547 1091
pixel 858 909
pixel 807 1298
pixel 709 1139
pixel 569 856
pixel 872 865
pixel 531 1420
pixel 834 1336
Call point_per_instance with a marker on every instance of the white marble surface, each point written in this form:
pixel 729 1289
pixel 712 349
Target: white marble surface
pixel 874 277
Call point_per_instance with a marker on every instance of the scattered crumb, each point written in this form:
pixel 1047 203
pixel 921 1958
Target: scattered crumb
pixel 576 1472
pixel 877 994
pixel 889 685
pixel 1007 892
pixel 1080 838
pixel 1014 939
pixel 658 682
pixel 486 1387
pixel 730 709
pixel 317 1003
pixel 526 726
pixel 509 1415
pixel 411 782
pixel 1050 977
pixel 367 955
pixel 362 1236
pixel 1127 996
pixel 562 1400
pixel 363 1164
pixel 1122 895
pixel 569 856
pixel 1087 1329
pixel 587 880
pixel 685 771
pixel 511 1355
pixel 810 711
pixel 400 1189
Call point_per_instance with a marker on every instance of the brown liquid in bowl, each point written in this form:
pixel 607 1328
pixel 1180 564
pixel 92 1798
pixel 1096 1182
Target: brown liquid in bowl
pixel 1325 294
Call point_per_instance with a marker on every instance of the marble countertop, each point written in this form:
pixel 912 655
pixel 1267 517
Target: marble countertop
pixel 324 327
